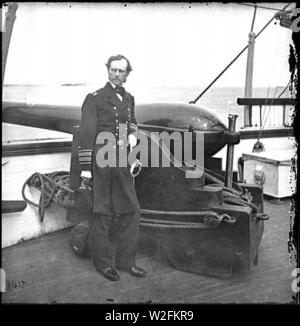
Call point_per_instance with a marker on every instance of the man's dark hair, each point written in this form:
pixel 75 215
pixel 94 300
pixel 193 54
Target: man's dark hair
pixel 119 57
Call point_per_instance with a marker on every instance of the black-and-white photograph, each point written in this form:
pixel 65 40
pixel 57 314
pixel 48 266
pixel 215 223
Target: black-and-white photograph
pixel 149 155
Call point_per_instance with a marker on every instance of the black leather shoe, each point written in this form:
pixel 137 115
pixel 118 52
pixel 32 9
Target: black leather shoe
pixel 134 271
pixel 110 273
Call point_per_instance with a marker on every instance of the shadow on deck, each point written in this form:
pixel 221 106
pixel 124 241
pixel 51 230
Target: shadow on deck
pixel 45 270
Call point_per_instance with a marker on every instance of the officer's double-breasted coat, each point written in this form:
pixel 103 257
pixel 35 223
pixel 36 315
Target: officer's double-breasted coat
pixel 113 187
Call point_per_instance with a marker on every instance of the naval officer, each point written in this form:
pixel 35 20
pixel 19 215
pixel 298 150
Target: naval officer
pixel 114 195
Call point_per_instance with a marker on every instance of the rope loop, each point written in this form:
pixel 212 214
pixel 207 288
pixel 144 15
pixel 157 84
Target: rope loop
pixel 54 187
pixel 263 217
pixel 228 219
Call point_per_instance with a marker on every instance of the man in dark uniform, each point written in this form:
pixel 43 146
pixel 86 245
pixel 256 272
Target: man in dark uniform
pixel 114 196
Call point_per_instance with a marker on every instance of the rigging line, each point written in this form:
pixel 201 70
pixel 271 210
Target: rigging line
pixel 267 112
pixel 286 87
pixel 263 116
pixel 264 119
pixel 258 6
pixel 253 19
pixel 269 22
pixel 245 48
pixel 267 115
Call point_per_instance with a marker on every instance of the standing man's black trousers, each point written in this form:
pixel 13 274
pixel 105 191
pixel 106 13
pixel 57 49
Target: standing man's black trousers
pixel 127 238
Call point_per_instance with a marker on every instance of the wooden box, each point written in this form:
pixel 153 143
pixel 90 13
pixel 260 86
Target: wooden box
pixel 272 170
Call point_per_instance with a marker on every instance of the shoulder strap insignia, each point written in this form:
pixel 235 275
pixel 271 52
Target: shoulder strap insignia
pixel 95 93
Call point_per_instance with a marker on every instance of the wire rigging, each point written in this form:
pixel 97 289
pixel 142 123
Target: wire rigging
pixel 258 6
pixel 269 108
pixel 253 19
pixel 235 58
pixel 266 115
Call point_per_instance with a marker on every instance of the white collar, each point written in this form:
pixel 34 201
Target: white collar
pixel 114 86
pixel 119 95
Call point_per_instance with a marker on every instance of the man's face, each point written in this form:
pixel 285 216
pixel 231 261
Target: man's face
pixel 117 72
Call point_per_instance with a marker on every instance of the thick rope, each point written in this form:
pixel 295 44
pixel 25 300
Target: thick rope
pixel 53 187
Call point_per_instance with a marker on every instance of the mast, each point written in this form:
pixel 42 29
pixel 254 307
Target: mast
pixel 249 73
pixel 249 79
pixel 10 17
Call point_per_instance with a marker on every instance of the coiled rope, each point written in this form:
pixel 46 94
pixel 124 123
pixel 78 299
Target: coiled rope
pixel 53 187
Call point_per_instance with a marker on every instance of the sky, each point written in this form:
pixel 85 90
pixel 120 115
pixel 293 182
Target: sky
pixel 175 44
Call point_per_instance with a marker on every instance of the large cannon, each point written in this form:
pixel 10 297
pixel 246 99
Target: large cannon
pixel 207 223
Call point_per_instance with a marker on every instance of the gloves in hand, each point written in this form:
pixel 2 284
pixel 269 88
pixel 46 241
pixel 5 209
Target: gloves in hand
pixel 86 174
pixel 135 168
pixel 132 141
pixel 86 180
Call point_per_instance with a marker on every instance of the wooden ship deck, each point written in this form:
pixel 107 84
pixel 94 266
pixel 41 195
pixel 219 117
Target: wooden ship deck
pixel 45 270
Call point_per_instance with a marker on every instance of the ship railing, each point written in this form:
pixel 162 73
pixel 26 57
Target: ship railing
pixel 271 117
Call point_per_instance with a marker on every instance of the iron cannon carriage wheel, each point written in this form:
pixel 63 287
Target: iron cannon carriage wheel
pixel 79 240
